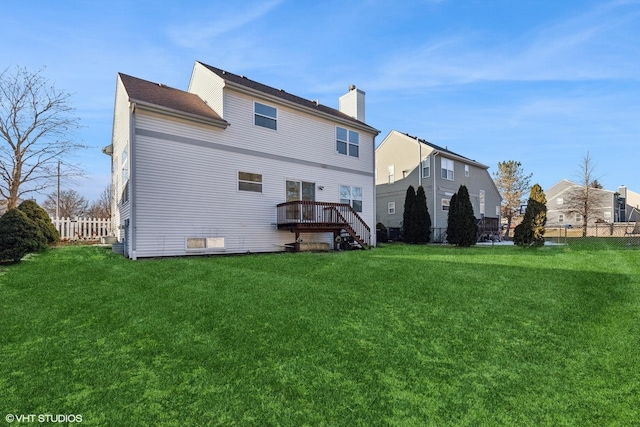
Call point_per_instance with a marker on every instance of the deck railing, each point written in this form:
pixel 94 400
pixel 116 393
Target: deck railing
pixel 322 215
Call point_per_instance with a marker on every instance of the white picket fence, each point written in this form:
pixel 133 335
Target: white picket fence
pixel 82 228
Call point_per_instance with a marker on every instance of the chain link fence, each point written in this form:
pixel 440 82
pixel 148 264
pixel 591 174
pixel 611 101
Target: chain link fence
pixel 618 234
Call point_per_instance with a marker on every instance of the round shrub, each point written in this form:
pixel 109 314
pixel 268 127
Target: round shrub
pixel 38 215
pixel 19 236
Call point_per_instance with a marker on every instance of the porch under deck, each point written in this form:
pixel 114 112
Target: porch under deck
pixel 302 216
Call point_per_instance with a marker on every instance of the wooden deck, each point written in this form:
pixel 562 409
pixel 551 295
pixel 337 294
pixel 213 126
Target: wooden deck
pixel 302 216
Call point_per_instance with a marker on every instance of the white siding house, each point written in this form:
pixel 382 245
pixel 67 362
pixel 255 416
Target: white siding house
pixel 203 171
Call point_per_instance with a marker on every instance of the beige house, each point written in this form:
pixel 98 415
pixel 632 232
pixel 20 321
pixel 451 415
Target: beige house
pixel 235 166
pixel 403 160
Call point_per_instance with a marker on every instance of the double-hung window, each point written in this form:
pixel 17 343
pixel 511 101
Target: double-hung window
pixel 265 116
pixel 347 142
pixel 447 168
pixel 125 165
pixel 352 196
pixel 426 167
pixel 391 208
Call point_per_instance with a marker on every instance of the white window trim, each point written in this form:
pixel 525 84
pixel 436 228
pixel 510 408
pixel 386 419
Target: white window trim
pixel 238 181
pixel 351 198
pixel 348 142
pixel 427 161
pixel 391 208
pixel 466 170
pixel 255 113
pixel 447 162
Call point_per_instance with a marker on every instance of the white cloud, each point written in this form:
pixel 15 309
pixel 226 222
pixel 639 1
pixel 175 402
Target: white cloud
pixel 202 32
pixel 598 44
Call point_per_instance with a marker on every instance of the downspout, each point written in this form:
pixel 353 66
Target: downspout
pixel 419 161
pixel 374 234
pixel 132 178
pixel 435 206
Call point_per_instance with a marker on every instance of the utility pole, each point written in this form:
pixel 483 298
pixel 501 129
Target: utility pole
pixel 58 193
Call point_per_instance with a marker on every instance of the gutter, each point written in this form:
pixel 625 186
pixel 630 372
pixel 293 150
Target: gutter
pixel 154 108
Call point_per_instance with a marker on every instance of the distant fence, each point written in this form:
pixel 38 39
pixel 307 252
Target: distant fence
pixel 627 232
pixel 604 229
pixel 82 228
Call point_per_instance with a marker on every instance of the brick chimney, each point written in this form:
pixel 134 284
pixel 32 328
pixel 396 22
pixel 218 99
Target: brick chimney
pixel 352 103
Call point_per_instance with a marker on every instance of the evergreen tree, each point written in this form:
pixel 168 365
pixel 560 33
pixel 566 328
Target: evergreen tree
pixel 530 232
pixel 19 236
pixel 421 218
pixel 41 218
pixel 461 220
pixel 408 226
pixel 451 229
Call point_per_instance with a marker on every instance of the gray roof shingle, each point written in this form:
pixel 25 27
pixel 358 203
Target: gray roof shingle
pixel 280 93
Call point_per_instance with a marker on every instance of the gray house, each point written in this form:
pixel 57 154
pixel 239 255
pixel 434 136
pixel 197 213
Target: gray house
pixel 608 205
pixel 403 160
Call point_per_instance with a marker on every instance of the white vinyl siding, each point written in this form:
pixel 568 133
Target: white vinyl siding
pixel 162 225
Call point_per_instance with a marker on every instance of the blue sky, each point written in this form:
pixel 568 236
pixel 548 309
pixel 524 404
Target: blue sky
pixel 541 82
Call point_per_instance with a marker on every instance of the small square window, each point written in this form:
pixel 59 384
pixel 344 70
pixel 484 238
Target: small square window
pixel 250 182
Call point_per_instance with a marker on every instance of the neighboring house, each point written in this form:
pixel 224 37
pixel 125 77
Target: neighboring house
pixel 403 160
pixel 210 170
pixel 608 205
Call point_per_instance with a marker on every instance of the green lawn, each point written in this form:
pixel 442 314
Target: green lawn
pixel 397 335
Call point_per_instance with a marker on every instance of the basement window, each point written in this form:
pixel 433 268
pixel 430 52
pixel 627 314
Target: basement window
pixel 205 243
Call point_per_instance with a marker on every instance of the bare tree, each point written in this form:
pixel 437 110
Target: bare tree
pixel 101 208
pixel 586 199
pixel 513 185
pixel 72 204
pixel 36 126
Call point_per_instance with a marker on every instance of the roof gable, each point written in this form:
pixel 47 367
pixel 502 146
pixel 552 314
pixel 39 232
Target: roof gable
pixel 311 106
pixel 140 90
